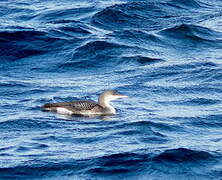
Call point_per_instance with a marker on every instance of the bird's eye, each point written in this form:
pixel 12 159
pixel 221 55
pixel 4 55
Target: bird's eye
pixel 115 92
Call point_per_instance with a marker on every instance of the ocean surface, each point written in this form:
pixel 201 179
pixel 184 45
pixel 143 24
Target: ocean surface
pixel 165 54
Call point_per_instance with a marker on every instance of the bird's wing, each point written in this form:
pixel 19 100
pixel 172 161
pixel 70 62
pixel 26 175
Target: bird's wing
pixel 77 105
pixel 83 105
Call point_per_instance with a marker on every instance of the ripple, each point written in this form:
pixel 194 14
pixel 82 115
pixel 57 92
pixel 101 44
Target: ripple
pixel 210 121
pixel 141 60
pixel 182 155
pixel 23 124
pixel 119 163
pixel 64 14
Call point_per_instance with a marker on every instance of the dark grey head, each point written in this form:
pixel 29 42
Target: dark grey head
pixel 111 95
pixel 108 96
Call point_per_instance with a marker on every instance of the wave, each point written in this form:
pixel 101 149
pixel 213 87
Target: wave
pixel 137 38
pixel 119 163
pixel 61 14
pixel 112 164
pixel 85 55
pixel 22 124
pixel 147 15
pixel 97 46
pixel 140 59
pixel 182 155
pixel 42 169
pixel 126 15
pixel 192 33
pixel 187 4
pixel 182 73
pixel 78 30
pixel 201 101
pixel 70 29
pixel 11 83
pixel 108 54
pixel 193 102
pixel 208 121
pixel 147 127
pixel 19 44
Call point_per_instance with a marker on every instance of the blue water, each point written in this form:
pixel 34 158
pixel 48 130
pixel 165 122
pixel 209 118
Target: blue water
pixel 166 55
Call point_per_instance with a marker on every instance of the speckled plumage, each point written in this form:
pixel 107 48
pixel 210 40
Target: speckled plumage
pixel 77 107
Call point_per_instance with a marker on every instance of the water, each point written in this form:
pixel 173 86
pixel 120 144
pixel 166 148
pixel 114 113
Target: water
pixel 166 55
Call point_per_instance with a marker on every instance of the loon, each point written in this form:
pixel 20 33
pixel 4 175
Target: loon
pixel 87 107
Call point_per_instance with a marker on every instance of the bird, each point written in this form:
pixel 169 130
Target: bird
pixel 87 107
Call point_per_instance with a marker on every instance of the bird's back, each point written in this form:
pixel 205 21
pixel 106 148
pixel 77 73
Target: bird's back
pixel 75 107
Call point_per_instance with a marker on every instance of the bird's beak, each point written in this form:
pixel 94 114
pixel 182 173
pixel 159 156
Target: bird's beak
pixel 122 96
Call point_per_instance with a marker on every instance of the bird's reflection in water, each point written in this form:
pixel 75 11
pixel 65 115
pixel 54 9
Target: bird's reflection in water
pixel 83 117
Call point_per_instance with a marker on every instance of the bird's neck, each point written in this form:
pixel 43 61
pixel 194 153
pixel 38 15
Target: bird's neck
pixel 106 104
